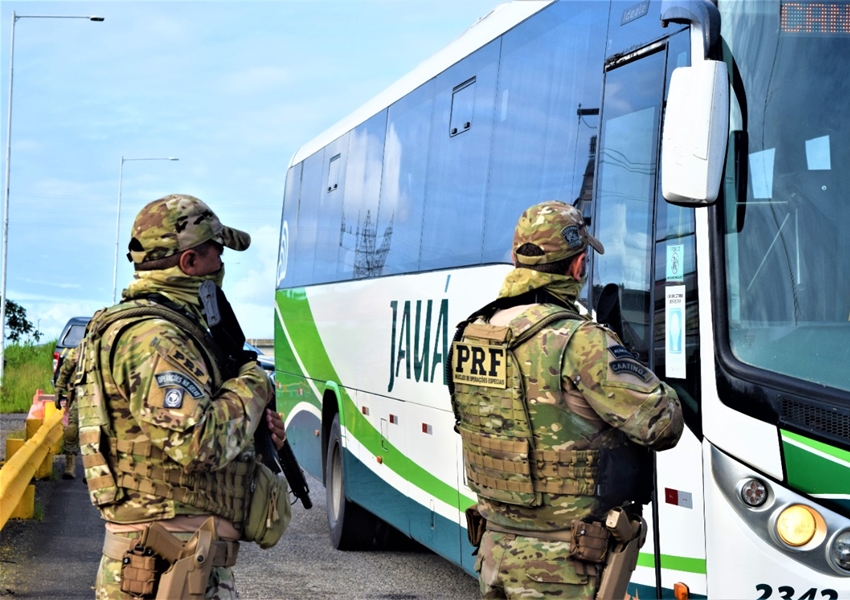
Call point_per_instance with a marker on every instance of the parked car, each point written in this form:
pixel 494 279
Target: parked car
pixel 72 334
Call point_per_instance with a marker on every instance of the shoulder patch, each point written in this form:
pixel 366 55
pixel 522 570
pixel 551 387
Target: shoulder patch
pixel 173 378
pixel 180 360
pixel 630 367
pixel 620 352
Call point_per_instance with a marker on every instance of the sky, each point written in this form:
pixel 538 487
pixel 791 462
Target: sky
pixel 230 89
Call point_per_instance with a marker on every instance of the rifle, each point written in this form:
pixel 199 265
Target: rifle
pixel 228 335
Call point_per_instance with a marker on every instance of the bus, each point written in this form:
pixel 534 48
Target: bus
pixel 702 142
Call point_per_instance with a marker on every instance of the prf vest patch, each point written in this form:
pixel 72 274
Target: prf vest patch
pixel 180 360
pixel 475 364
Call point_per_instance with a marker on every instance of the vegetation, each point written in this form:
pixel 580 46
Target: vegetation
pixel 17 324
pixel 28 368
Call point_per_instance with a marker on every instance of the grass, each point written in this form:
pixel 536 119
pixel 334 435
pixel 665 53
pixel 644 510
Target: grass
pixel 28 368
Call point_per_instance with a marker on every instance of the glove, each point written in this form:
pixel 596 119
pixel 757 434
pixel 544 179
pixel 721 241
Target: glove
pixel 58 400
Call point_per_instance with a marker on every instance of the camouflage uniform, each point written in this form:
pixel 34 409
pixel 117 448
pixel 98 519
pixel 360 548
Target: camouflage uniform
pixel 534 460
pixel 71 436
pixel 169 416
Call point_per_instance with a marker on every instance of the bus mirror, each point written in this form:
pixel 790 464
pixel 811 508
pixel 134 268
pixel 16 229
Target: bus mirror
pixel 696 130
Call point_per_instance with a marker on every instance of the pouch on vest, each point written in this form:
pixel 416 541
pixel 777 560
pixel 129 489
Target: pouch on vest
pixel 93 422
pixel 589 541
pixel 269 510
pixel 475 526
pixel 625 475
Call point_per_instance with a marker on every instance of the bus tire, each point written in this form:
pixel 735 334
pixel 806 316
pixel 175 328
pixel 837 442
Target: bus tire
pixel 350 526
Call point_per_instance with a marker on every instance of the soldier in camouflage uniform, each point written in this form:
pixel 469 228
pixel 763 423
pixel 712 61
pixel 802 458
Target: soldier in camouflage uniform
pixel 164 439
pixel 71 436
pixel 555 415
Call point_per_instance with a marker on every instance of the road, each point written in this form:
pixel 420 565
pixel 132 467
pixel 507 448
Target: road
pixel 57 557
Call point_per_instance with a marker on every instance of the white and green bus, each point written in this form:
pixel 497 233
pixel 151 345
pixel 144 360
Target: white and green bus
pixel 703 142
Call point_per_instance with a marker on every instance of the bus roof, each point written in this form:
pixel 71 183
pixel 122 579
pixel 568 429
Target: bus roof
pixel 483 31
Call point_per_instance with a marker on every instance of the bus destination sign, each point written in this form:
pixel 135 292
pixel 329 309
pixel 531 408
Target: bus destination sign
pixel 815 18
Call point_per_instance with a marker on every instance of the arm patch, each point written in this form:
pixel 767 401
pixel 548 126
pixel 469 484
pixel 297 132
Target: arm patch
pixel 620 352
pixel 173 378
pixel 630 367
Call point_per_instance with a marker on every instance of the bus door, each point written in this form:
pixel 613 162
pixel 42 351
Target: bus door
pixel 644 287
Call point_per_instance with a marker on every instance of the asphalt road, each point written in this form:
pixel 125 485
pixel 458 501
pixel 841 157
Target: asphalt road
pixel 57 557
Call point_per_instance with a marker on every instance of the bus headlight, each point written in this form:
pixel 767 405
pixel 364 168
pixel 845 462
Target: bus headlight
pixel 840 550
pixel 796 525
pixel 753 492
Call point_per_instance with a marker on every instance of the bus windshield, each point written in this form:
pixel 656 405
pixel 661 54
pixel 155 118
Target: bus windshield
pixel 786 240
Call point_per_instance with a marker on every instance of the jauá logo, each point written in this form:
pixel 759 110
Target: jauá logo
pixel 426 324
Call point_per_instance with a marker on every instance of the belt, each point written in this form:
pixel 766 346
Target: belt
pixel 563 535
pixel 115 546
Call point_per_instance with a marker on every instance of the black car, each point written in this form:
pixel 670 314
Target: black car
pixel 71 336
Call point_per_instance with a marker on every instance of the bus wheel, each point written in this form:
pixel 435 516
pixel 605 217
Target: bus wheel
pixel 350 526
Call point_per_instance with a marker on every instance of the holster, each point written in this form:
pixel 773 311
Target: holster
pixel 628 535
pixel 159 565
pixel 189 575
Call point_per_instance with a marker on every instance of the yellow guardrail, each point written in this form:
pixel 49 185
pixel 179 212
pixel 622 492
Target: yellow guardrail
pixel 19 470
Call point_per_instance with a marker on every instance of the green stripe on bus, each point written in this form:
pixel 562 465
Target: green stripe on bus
pixel 819 446
pixel 674 563
pixel 309 347
pixel 814 474
pixel 284 357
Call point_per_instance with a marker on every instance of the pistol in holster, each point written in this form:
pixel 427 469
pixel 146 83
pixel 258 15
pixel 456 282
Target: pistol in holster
pixel 190 573
pixel 627 536
pixel 160 566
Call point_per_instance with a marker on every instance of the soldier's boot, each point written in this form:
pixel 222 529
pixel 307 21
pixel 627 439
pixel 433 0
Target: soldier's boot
pixel 70 466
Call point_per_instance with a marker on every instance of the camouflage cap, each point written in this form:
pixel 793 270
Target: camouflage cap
pixel 178 222
pixel 556 228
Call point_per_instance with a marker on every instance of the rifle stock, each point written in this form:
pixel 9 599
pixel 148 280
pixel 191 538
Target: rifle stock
pixel 227 333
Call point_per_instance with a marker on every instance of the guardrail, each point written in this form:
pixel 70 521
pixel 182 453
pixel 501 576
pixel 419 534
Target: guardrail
pixel 19 470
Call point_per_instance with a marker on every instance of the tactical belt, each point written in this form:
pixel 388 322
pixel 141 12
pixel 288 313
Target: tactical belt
pixel 561 535
pixel 116 546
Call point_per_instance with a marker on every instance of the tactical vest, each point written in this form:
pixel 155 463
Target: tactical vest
pixel 114 465
pixel 492 399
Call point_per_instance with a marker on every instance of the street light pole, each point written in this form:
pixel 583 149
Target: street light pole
pixel 118 219
pixel 6 187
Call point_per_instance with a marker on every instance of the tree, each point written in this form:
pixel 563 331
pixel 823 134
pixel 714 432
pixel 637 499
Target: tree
pixel 17 324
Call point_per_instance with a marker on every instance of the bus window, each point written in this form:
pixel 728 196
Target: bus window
pixel 626 193
pixel 403 177
pixel 288 222
pixel 458 166
pixel 542 146
pixel 787 267
pixel 362 248
pixel 330 211
pixel 303 245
